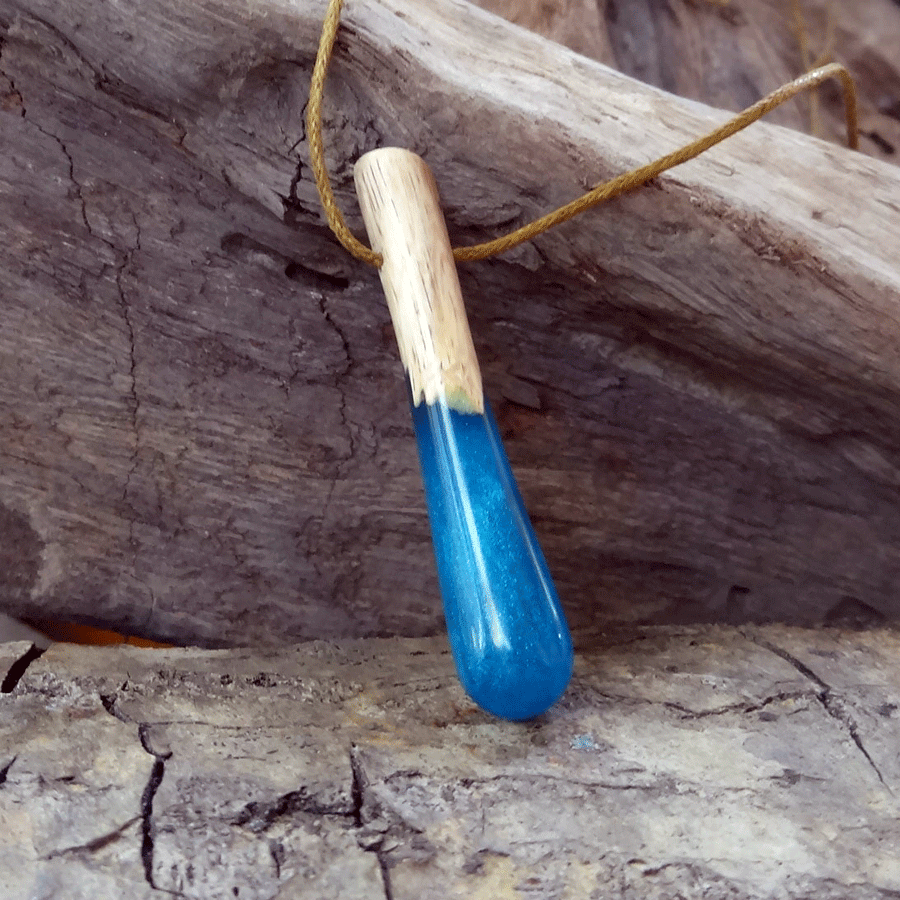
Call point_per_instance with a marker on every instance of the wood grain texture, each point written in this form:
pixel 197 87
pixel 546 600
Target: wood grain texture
pixel 204 431
pixel 729 53
pixel 400 205
pixel 689 763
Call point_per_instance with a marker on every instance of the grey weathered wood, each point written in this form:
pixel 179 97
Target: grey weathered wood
pixel 681 763
pixel 729 54
pixel 203 429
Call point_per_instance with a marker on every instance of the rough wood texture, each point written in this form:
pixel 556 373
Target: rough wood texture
pixel 401 207
pixel 728 53
pixel 681 763
pixel 203 427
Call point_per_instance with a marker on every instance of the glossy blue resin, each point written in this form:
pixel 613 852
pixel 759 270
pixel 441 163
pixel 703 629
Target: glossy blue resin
pixel 507 630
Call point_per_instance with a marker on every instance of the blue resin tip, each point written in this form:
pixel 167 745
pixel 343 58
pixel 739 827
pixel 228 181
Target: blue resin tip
pixel 507 630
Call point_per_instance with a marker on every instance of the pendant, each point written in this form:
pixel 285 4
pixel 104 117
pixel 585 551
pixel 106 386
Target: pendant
pixel 505 624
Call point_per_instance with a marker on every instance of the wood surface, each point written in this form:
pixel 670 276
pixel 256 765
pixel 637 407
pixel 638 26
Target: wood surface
pixel 695 763
pixel 401 207
pixel 728 53
pixel 204 435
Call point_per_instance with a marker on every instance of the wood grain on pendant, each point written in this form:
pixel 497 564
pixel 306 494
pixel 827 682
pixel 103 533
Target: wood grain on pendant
pixel 399 201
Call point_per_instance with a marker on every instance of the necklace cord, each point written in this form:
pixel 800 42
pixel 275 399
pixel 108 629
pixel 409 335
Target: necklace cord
pixel 621 184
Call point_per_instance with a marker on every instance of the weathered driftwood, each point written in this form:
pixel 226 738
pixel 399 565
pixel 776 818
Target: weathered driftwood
pixel 203 428
pixel 728 53
pixel 681 763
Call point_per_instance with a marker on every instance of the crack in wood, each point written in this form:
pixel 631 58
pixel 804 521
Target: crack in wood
pixel 249 250
pixel 358 785
pixel 18 668
pixel 740 708
pixel 98 843
pixel 659 786
pixel 110 704
pixel 134 400
pixel 385 875
pixel 833 704
pixel 126 259
pixel 147 825
pixel 277 853
pixel 103 82
pixel 259 816
pixel 4 772
pixel 365 839
pixel 76 185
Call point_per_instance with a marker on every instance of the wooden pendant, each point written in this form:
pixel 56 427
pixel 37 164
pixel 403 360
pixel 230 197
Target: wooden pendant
pixel 509 636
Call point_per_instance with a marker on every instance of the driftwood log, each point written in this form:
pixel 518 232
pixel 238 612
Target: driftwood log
pixel 729 53
pixel 203 429
pixel 708 763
